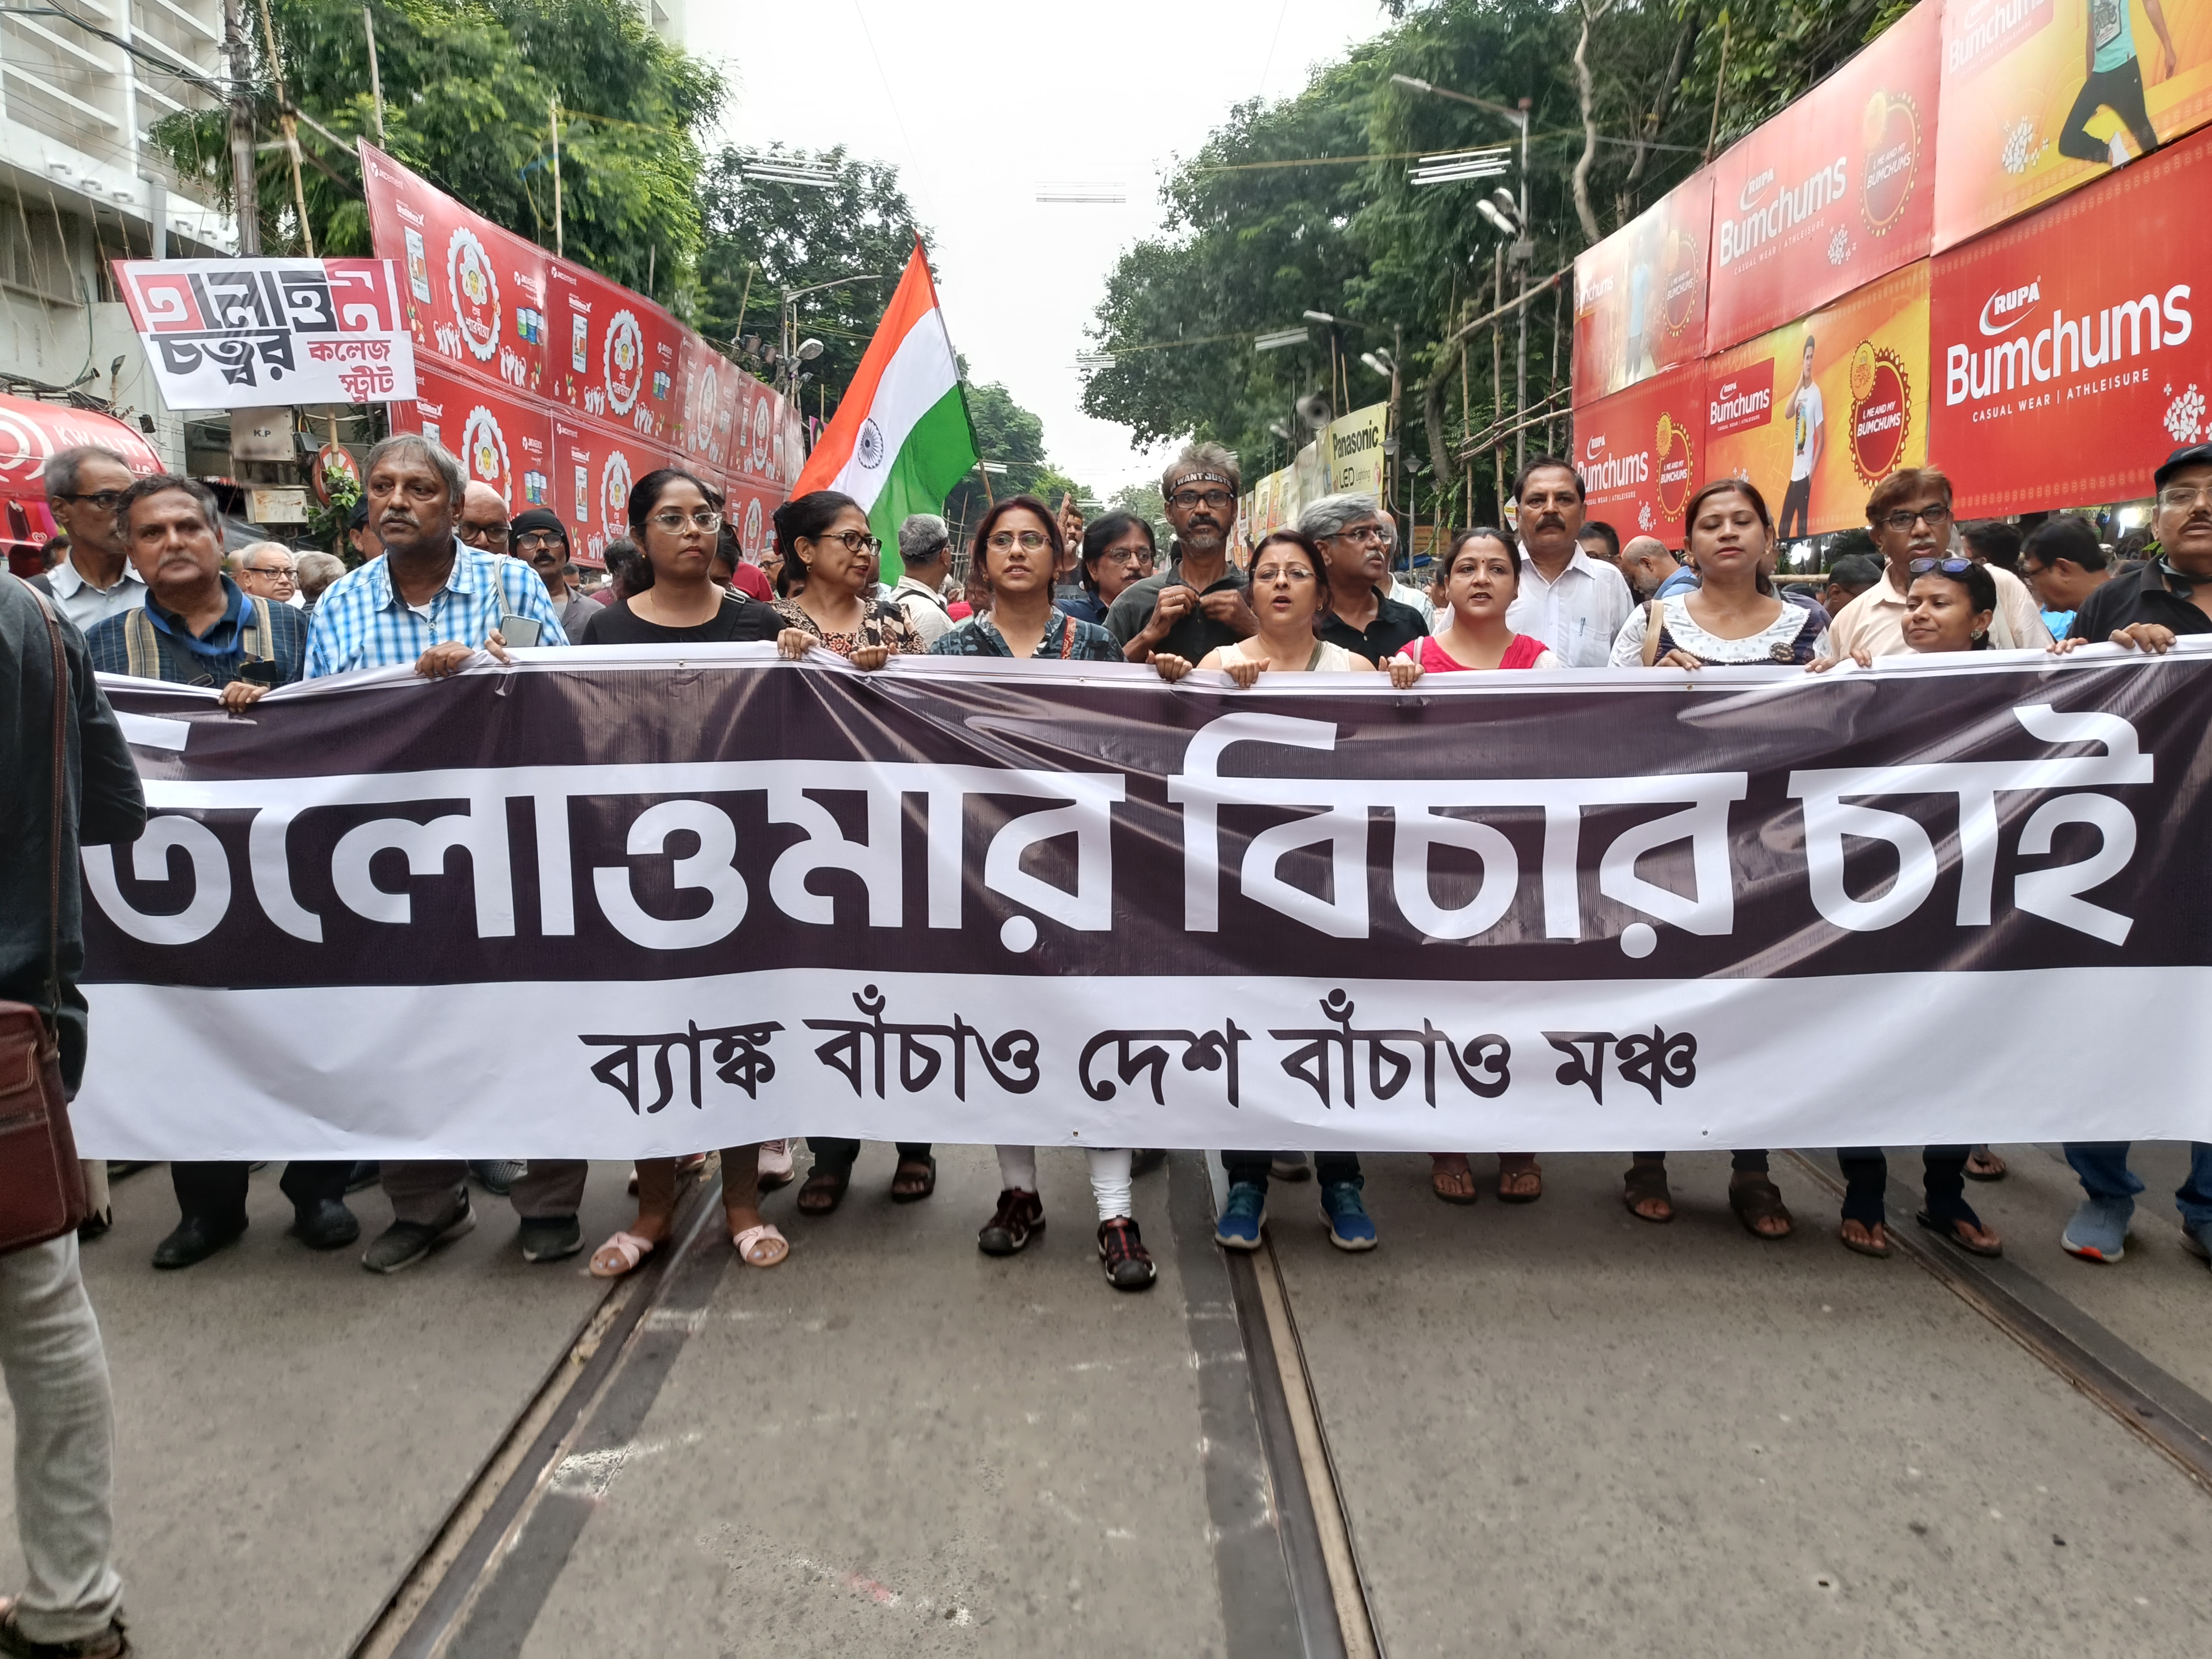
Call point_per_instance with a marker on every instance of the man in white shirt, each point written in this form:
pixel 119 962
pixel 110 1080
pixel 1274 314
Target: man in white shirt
pixel 1809 441
pixel 97 580
pixel 925 554
pixel 1574 604
pixel 1910 514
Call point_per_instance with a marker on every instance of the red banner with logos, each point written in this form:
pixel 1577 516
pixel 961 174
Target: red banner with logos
pixel 1834 193
pixel 558 386
pixel 1640 293
pixel 2066 351
pixel 1642 454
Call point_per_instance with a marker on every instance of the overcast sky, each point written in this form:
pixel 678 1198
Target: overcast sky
pixel 981 102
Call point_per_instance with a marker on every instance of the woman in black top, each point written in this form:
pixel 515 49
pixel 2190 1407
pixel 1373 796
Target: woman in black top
pixel 676 525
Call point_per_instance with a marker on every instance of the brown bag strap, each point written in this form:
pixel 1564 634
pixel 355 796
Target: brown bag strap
pixel 1654 621
pixel 54 819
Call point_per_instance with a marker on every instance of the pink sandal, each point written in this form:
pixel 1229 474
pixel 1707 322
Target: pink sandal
pixel 620 1254
pixel 761 1246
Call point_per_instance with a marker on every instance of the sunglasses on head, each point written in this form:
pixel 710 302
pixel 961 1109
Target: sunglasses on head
pixel 1948 567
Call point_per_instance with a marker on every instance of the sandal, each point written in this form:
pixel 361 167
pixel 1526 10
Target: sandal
pixel 775 1171
pixel 909 1169
pixel 1983 1164
pixel 1450 1178
pixel 1947 1230
pixel 761 1246
pixel 824 1190
pixel 1754 1201
pixel 621 1255
pixel 1876 1244
pixel 1516 1166
pixel 1643 1183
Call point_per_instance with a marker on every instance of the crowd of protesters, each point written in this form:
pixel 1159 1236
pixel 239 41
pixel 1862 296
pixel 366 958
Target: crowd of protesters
pixel 145 589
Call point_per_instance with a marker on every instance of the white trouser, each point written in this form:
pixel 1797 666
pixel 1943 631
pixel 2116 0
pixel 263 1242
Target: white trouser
pixel 1110 1175
pixel 57 1375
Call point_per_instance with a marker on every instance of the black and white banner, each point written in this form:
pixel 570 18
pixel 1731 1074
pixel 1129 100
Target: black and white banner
pixel 619 904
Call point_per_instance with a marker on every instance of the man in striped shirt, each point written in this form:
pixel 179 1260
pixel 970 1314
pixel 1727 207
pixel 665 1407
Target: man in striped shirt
pixel 434 602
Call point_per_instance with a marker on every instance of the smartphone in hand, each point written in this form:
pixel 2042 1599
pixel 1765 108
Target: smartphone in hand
pixel 519 631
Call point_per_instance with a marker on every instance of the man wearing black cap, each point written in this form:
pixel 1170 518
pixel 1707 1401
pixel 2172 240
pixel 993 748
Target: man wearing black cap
pixel 362 533
pixel 539 536
pixel 2171 594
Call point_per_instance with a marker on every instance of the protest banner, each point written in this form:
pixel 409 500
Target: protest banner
pixel 1640 293
pixel 1832 192
pixel 1818 412
pixel 1642 454
pixel 2042 96
pixel 984 902
pixel 2068 358
pixel 257 333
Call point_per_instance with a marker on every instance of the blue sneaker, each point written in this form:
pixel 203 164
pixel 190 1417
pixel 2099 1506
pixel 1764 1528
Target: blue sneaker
pixel 1349 1227
pixel 1241 1216
pixel 2099 1230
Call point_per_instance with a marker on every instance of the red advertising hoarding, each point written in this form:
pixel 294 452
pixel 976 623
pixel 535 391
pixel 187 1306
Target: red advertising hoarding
pixel 1835 191
pixel 1640 293
pixel 503 439
pixel 2065 350
pixel 1642 454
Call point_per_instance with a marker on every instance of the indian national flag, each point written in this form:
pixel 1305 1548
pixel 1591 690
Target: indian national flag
pixel 901 439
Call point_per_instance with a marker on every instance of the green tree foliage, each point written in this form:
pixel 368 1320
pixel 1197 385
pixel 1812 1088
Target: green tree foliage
pixel 469 88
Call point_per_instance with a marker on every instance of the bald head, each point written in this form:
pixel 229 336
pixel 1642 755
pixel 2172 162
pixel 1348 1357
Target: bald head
pixel 1646 563
pixel 484 518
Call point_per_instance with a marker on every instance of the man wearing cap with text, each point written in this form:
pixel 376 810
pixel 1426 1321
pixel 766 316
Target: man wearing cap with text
pixel 1198 603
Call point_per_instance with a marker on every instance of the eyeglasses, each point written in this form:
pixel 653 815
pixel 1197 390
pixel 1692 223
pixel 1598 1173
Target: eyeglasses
pixel 2180 498
pixel 674 520
pixel 106 500
pixel 1030 541
pixel 856 541
pixel 539 541
pixel 283 571
pixel 1948 567
pixel 1187 499
pixel 1365 533
pixel 1905 518
pixel 1282 573
pixel 492 535
pixel 1124 556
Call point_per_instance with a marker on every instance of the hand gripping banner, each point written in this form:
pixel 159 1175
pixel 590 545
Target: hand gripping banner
pixel 615 904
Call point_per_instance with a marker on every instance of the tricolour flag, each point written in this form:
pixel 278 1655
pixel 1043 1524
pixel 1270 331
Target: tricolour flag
pixel 901 439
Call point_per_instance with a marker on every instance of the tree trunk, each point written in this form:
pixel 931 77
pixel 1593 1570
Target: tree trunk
pixel 1592 11
pixel 1655 122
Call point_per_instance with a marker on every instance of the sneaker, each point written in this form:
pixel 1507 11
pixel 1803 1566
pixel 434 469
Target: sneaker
pixel 109 1643
pixel 497 1176
pixel 403 1244
pixel 1241 1216
pixel 1349 1226
pixel 2099 1230
pixel 1019 1215
pixel 2117 149
pixel 551 1238
pixel 1129 1264
pixel 775 1167
pixel 1290 1166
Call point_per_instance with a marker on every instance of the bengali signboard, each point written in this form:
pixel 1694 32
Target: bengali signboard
pixel 2042 96
pixel 1642 454
pixel 1818 412
pixel 258 333
pixel 2067 354
pixel 1640 293
pixel 1832 193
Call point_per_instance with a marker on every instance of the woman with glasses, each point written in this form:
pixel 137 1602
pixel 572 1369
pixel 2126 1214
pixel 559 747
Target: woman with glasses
pixel 828 577
pixel 1481 578
pixel 1732 620
pixel 673 598
pixel 675 602
pixel 1117 550
pixel 1290 596
pixel 1015 552
pixel 1952 604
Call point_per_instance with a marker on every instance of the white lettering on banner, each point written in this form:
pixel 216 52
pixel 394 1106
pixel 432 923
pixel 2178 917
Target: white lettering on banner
pixel 2127 328
pixel 2051 894
pixel 1758 225
pixel 1342 820
pixel 1080 804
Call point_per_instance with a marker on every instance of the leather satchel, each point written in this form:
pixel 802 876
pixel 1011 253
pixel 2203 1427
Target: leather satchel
pixel 42 1193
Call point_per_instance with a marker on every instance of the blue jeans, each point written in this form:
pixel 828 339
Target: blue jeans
pixel 1329 1168
pixel 2103 1166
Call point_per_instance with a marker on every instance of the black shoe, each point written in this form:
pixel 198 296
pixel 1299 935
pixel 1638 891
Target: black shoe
pixel 324 1223
pixel 364 1176
pixel 195 1239
pixel 551 1238
pixel 110 1644
pixel 1129 1264
pixel 403 1244
pixel 95 1225
pixel 1019 1216
pixel 497 1176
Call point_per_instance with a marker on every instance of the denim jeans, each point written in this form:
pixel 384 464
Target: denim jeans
pixel 56 1374
pixel 2103 1166
pixel 1330 1169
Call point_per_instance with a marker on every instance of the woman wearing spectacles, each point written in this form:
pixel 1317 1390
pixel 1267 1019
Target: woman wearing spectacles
pixel 1117 551
pixel 1732 619
pixel 1014 557
pixel 673 597
pixel 1951 605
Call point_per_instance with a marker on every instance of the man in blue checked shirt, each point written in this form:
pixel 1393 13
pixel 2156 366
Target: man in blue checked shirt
pixel 434 601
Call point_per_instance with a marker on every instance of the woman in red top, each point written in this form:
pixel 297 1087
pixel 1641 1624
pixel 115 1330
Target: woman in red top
pixel 1482 575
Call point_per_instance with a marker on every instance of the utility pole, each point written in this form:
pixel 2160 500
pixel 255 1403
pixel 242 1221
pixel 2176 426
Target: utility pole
pixel 243 189
pixel 291 132
pixel 375 80
pixel 553 112
pixel 1524 254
